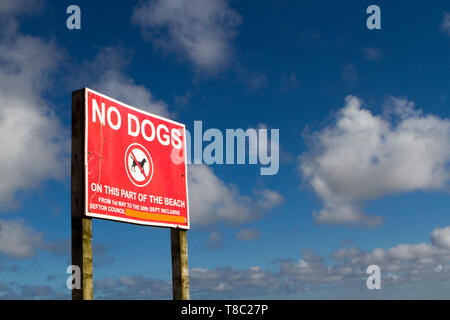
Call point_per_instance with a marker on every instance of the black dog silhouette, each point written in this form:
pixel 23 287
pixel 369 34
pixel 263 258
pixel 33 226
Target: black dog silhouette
pixel 141 164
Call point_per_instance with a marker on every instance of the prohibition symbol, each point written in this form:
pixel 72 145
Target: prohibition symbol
pixel 138 165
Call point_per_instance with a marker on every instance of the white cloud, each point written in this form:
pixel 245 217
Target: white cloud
pixel 109 78
pixel 344 274
pixel 215 241
pixel 200 30
pixel 403 263
pixel 204 283
pixel 346 253
pixel 446 23
pixel 267 199
pixel 212 201
pixel 34 144
pixel 123 88
pixel 17 240
pixel 15 291
pixel 228 282
pixel 255 80
pixel 11 9
pixel 133 287
pixel 364 156
pixel 441 237
pixel 248 234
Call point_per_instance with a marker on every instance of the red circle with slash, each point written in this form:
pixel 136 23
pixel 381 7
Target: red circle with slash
pixel 138 165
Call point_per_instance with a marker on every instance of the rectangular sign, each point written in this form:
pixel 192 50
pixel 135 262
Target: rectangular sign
pixel 135 165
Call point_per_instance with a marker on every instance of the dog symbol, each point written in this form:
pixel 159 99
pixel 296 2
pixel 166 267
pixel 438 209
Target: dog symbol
pixel 141 164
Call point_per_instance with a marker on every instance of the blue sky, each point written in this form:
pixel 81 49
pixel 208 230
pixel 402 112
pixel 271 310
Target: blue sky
pixel 364 124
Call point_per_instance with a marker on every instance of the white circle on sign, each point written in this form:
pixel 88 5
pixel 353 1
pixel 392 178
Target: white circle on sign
pixel 138 165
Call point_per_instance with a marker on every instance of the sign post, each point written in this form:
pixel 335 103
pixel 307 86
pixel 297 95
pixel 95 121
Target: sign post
pixel 180 273
pixel 130 166
pixel 81 225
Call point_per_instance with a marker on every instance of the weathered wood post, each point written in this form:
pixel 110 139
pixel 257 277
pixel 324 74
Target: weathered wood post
pixel 81 225
pixel 180 273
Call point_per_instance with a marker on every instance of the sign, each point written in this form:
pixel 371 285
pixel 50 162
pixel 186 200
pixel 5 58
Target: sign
pixel 130 174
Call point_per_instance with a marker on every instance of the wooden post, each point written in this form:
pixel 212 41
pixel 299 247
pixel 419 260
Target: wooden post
pixel 180 273
pixel 81 225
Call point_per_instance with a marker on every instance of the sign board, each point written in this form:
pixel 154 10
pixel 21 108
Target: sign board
pixel 135 165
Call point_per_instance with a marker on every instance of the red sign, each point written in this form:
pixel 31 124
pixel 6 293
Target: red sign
pixel 134 171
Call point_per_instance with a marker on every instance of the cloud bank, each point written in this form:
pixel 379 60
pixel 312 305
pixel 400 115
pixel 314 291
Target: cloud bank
pixel 342 275
pixel 212 201
pixel 17 240
pixel 362 156
pixel 34 143
pixel 200 31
